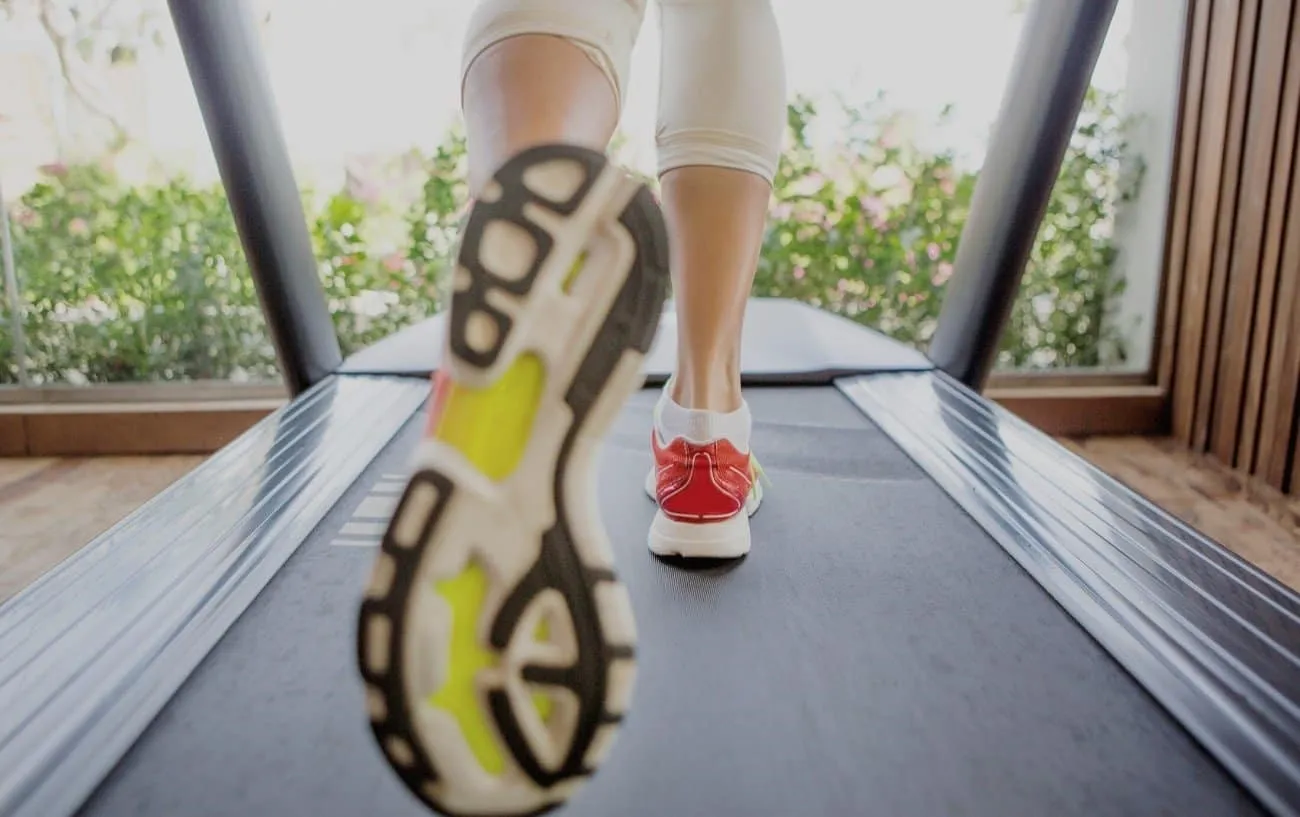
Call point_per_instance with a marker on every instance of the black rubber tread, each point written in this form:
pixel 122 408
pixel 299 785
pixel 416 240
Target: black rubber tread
pixel 509 207
pixel 397 722
pixel 631 323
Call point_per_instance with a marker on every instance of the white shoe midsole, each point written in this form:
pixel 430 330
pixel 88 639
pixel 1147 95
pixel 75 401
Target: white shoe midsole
pixel 725 539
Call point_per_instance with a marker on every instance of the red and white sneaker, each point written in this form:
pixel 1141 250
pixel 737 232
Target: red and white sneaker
pixel 705 480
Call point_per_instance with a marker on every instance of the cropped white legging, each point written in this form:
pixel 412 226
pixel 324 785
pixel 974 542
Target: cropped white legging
pixel 722 74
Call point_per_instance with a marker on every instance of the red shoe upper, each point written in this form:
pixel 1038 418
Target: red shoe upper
pixel 438 399
pixel 696 482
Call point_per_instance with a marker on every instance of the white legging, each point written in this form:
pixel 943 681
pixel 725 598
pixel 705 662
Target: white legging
pixel 722 74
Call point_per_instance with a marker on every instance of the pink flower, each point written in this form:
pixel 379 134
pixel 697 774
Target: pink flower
pixel 909 258
pixel 948 186
pixel 57 169
pixel 876 208
pixel 394 262
pixel 842 286
pixel 869 263
pixel 78 226
pixel 873 205
pixel 942 274
pixel 933 251
pixel 890 136
pixel 799 273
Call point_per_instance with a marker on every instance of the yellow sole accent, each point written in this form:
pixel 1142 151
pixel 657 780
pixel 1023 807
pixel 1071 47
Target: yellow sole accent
pixel 572 274
pixel 490 426
pixel 458 695
pixel 541 700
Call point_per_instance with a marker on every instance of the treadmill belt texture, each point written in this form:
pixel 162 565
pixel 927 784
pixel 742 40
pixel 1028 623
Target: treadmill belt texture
pixel 877 653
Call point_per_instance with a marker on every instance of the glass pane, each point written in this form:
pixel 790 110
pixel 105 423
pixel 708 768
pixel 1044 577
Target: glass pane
pixel 379 154
pixel 889 127
pixel 129 265
pixel 889 118
pixel 1090 293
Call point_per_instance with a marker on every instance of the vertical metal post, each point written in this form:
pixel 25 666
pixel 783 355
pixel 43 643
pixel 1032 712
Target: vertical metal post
pixel 14 296
pixel 229 77
pixel 1058 51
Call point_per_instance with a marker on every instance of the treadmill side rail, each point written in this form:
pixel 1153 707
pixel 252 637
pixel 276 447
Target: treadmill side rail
pixel 1212 638
pixel 91 652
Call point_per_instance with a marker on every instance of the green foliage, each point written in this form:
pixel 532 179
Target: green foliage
pixel 133 283
pixel 871 233
pixel 127 283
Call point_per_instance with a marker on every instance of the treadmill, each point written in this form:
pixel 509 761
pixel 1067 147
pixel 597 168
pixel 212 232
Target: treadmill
pixel 945 613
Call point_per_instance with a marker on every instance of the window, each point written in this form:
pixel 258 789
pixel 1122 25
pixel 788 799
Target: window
pixel 129 268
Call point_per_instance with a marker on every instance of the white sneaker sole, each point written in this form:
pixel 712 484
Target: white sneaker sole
pixel 496 644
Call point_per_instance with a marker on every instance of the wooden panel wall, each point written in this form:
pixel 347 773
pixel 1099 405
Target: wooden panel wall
pixel 1230 338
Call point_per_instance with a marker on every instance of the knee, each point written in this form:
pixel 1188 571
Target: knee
pixel 605 30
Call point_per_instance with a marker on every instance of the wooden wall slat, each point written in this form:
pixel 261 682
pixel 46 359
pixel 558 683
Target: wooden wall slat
pixel 1230 324
pixel 1257 360
pixel 1226 222
pixel 1277 420
pixel 1244 245
pixel 1295 458
pixel 1213 127
pixel 1288 387
pixel 1195 48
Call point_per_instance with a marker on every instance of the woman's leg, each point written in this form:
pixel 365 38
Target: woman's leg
pixel 721 118
pixel 496 643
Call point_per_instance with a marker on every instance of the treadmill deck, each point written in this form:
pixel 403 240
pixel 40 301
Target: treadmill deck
pixel 877 653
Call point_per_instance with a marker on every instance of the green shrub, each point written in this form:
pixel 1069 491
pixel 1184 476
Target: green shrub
pixel 133 283
pixel 871 233
pixel 130 283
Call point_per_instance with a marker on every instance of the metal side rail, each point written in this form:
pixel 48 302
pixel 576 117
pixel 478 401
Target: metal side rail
pixel 92 651
pixel 1212 638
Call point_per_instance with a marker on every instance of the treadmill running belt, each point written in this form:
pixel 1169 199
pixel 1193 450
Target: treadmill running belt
pixel 877 653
